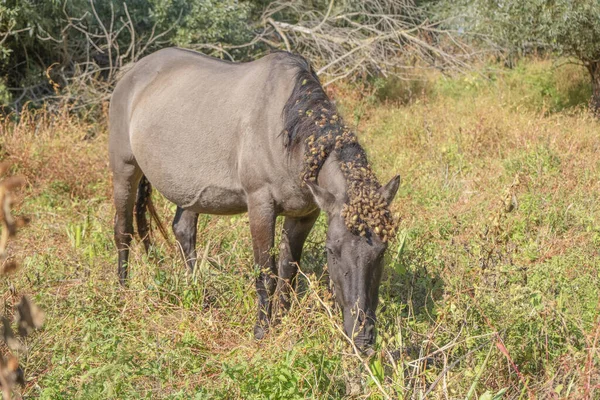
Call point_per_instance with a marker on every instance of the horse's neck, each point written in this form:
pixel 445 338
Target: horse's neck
pixel 332 178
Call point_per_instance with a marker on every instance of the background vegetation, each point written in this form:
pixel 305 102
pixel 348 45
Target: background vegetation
pixel 564 28
pixel 491 289
pixel 73 50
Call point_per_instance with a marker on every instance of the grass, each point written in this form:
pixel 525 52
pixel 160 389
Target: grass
pixel 477 301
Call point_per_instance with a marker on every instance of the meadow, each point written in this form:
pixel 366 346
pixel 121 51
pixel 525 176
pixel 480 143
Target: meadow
pixel 491 288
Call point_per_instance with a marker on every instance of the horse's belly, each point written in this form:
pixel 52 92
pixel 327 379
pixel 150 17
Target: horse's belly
pixel 218 200
pixel 200 197
pixel 189 175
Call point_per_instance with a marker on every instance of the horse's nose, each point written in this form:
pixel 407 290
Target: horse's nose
pixel 360 328
pixel 365 339
pixel 364 344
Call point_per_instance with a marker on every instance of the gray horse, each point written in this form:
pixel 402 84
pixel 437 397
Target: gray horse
pixel 262 137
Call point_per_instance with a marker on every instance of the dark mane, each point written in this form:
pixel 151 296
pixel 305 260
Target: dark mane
pixel 312 120
pixel 308 94
pixel 307 102
pixel 309 112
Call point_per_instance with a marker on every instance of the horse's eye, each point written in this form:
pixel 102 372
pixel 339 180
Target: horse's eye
pixel 330 251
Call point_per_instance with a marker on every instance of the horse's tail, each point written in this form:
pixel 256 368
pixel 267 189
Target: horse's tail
pixel 143 202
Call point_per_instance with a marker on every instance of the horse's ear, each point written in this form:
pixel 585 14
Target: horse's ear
pixel 388 192
pixel 324 199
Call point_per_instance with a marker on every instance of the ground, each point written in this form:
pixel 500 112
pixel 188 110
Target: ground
pixel 491 288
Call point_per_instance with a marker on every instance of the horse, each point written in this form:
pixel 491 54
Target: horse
pixel 262 137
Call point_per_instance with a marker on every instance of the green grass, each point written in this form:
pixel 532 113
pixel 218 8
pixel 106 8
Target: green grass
pixel 475 301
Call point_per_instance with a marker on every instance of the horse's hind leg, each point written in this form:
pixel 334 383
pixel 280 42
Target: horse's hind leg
pixel 125 179
pixel 295 232
pixel 185 227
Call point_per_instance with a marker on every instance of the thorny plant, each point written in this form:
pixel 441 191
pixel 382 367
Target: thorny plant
pixel 28 316
pixel 493 235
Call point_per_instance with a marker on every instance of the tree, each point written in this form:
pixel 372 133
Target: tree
pixel 79 45
pixel 358 38
pixel 568 28
pixel 73 49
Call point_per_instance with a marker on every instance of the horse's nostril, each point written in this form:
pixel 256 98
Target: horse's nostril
pixel 368 351
pixel 364 346
pixel 365 340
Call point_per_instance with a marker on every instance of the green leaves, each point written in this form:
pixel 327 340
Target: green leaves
pixel 73 36
pixel 491 396
pixel 566 27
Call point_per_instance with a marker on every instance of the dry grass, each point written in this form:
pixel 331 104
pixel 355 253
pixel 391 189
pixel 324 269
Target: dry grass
pixel 475 300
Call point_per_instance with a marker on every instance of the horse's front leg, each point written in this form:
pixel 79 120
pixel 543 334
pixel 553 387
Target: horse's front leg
pixel 295 232
pixel 262 227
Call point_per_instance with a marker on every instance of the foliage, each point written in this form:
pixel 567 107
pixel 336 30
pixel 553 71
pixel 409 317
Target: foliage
pixel 564 28
pixel 27 314
pixel 66 37
pixel 72 50
pixel 214 22
pixel 568 27
pixel 354 40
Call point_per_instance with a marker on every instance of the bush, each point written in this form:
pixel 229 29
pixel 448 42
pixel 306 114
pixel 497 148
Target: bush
pixel 50 45
pixel 402 91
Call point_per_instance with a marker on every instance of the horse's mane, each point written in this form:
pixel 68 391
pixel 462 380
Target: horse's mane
pixel 312 120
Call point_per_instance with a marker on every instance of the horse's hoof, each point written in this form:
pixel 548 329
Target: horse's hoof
pixel 259 332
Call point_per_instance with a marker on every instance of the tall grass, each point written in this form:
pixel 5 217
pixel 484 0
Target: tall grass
pixel 491 288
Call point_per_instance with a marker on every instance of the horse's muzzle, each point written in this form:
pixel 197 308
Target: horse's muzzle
pixel 365 339
pixel 360 329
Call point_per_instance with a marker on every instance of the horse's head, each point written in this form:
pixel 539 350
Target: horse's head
pixel 355 264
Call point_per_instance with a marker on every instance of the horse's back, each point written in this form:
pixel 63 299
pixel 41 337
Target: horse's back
pixel 195 124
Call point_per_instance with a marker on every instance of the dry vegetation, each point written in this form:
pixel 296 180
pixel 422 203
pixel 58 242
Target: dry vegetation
pixel 27 315
pixel 492 285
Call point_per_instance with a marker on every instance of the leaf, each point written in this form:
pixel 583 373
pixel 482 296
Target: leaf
pixel 8 267
pixel 10 371
pixel 486 396
pixel 500 394
pixel 8 336
pixel 558 389
pixel 29 316
pixel 377 368
pixel 478 376
pixel 502 349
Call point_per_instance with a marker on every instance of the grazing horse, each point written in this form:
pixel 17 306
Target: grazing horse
pixel 261 137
